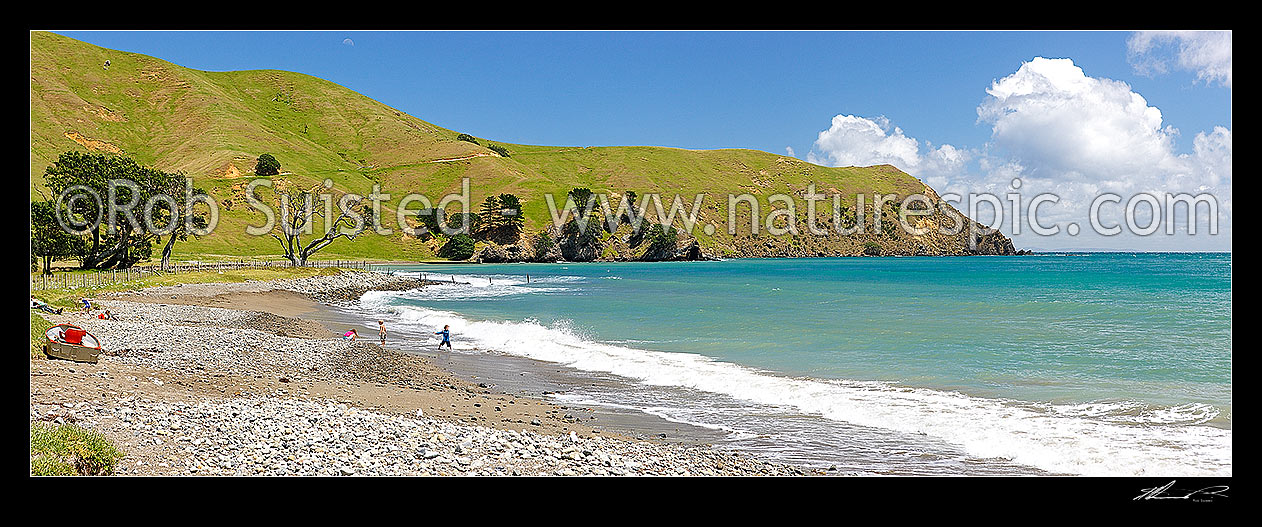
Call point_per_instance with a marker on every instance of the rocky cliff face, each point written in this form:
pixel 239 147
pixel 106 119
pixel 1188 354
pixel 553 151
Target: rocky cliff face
pixel 935 229
pixel 943 232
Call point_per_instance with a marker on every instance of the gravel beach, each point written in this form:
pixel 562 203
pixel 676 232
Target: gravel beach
pixel 187 386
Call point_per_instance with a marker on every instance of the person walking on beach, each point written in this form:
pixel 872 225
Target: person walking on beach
pixel 446 333
pixel 381 330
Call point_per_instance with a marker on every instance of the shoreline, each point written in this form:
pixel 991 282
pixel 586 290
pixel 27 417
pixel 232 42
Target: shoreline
pixel 192 371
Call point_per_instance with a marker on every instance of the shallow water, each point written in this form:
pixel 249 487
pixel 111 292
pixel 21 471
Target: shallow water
pixel 1100 364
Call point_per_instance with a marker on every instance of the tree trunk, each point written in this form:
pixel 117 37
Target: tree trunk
pixel 166 253
pixel 98 259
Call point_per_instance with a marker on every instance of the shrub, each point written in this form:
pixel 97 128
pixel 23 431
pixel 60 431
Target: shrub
pixel 499 150
pixel 872 249
pixel 51 466
pixel 459 247
pixel 468 138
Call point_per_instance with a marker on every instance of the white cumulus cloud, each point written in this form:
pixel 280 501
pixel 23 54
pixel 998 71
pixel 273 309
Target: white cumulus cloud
pixel 1053 118
pixel 1060 131
pixel 858 141
pixel 1207 53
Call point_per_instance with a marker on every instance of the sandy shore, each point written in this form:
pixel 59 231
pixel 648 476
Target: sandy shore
pixel 230 379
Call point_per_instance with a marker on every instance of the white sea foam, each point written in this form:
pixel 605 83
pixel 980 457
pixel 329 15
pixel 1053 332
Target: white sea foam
pixel 1134 412
pixel 1099 440
pixel 674 415
pixel 466 287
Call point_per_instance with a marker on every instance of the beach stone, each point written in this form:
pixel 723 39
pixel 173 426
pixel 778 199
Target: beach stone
pixel 280 434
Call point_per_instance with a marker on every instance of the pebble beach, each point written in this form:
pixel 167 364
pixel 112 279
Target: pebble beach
pixel 188 387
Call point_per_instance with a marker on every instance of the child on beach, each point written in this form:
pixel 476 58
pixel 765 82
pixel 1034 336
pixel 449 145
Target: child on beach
pixel 350 335
pixel 87 306
pixel 381 330
pixel 446 333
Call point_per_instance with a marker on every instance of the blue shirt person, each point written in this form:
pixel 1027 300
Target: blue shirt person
pixel 446 333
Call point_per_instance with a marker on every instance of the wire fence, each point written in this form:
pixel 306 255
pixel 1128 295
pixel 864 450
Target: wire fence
pixel 107 277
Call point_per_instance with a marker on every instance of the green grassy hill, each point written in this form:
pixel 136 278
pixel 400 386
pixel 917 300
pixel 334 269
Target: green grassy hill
pixel 213 125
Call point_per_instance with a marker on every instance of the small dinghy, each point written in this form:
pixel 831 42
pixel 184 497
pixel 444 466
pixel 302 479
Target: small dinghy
pixel 71 342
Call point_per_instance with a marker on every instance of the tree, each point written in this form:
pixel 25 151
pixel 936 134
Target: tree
pixel 298 211
pixel 499 219
pixel 510 222
pixel 459 247
pixel 49 241
pixel 457 221
pixel 585 235
pixel 430 219
pixel 580 197
pixel 468 138
pixel 193 223
pixel 267 166
pixel 120 243
pixel 488 218
pixel 631 214
pixel 544 246
pixel 662 241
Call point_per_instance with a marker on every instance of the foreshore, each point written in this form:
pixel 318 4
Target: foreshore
pixel 229 379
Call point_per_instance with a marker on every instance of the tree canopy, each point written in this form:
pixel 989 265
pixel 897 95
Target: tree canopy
pixel 581 197
pixel 148 204
pixel 49 242
pixel 298 213
pixel 459 247
pixel 267 166
pixel 499 218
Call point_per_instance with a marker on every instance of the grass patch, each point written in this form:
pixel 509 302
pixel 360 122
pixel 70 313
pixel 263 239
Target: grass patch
pixel 38 326
pixel 67 450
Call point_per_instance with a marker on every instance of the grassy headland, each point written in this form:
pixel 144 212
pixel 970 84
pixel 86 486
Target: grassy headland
pixel 213 126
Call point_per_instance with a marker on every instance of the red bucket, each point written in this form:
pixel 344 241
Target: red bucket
pixel 75 335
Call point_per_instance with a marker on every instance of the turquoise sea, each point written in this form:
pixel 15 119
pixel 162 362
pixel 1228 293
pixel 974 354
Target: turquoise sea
pixel 1072 363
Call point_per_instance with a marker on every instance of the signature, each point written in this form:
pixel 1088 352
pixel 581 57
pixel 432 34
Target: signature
pixel 1205 494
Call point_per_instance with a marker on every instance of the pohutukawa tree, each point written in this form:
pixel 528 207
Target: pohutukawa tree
pixel 49 241
pixel 298 213
pixel 82 186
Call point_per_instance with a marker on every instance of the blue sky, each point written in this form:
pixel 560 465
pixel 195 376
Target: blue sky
pixel 763 90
